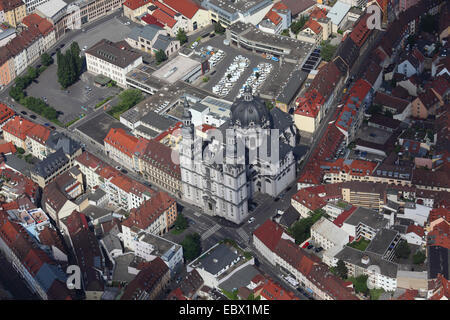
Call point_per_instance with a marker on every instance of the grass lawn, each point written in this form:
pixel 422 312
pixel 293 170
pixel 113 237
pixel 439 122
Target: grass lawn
pixel 360 245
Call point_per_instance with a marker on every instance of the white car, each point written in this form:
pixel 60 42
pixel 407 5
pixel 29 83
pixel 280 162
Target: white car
pixel 251 219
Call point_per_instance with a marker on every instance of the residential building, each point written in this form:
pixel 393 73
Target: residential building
pixel 14 11
pixel 112 59
pixel 120 147
pixel 338 15
pixel 50 167
pixel 149 246
pixel 364 223
pixel 88 254
pixel 152 38
pixel 151 281
pixel 327 235
pixel 188 288
pixel 155 216
pixel 42 274
pixel 277 19
pixel 45 27
pixel 64 195
pixel 425 104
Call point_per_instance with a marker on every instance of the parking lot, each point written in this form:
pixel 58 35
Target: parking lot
pixel 220 69
pixel 73 101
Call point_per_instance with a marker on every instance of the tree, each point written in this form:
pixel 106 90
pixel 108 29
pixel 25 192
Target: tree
pixel 181 36
pixel 192 246
pixel 32 72
pixel 403 251
pixel 341 269
pixel 257 75
pixel 285 32
pixel 16 93
pixel 70 65
pixel 301 229
pixel 327 51
pixel 419 257
pixel 296 26
pixel 46 59
pixel 181 222
pixel 218 28
pixel 229 76
pixel 160 56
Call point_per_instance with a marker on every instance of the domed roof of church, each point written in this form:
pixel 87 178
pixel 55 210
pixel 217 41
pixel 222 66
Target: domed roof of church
pixel 249 111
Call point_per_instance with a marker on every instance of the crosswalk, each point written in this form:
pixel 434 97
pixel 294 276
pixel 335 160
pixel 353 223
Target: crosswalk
pixel 243 234
pixel 210 232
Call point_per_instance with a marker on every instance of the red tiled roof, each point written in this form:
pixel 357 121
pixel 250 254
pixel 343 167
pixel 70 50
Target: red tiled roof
pixel 5 113
pixel 271 290
pixel 39 133
pixel 443 291
pixel 428 98
pixel 441 85
pixel 43 25
pixel 149 211
pixel 439 213
pixel 318 13
pixel 149 19
pixel 119 139
pixel 280 6
pixel 326 79
pixel 360 32
pixel 309 105
pixel 134 4
pixel 171 131
pixel 164 18
pixel 273 17
pixel 7 148
pixel 313 25
pixel 269 233
pixel 18 127
pixel 439 235
pixel 416 229
pixel 187 8
pixel 130 186
pixel 339 221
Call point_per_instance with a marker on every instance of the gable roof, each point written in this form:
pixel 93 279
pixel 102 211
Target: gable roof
pixel 269 233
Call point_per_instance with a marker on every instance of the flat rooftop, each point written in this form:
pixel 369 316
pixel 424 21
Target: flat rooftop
pixel 368 217
pixel 176 69
pixel 355 257
pixel 167 96
pixel 98 127
pixel 143 74
pixel 382 240
pixel 292 48
pixel 237 5
pixel 161 245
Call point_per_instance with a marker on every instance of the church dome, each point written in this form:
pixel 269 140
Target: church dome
pixel 249 111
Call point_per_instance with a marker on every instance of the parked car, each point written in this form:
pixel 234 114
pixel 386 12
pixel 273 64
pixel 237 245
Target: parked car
pixel 310 246
pixel 251 220
pixel 47 124
pixel 23 112
pixel 305 245
pixel 32 116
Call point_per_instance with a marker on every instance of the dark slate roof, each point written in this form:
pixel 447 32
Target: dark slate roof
pixel 298 6
pixel 51 164
pixel 368 217
pixel 59 140
pixel 218 258
pixel 289 217
pixel 381 242
pixel 293 85
pixel 157 121
pixel 147 32
pixel 162 42
pixel 117 53
pixel 241 278
pixel 438 261
pixel 349 52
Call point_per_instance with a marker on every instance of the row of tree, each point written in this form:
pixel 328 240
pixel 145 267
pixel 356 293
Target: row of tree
pixel 70 65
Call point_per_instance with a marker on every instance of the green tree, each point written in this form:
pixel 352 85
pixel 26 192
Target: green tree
pixel 257 75
pixel 218 28
pixel 419 257
pixel 46 59
pixel 341 269
pixel 181 36
pixel 403 251
pixel 181 222
pixel 32 72
pixel 301 229
pixel 192 246
pixel 16 93
pixel 285 32
pixel 160 56
pixel 327 51
pixel 297 26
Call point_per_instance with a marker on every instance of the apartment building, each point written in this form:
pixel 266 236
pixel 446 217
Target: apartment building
pixel 14 11
pixel 113 60
pixel 327 235
pixel 154 216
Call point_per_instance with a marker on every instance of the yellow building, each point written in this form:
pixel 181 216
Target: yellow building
pixel 14 10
